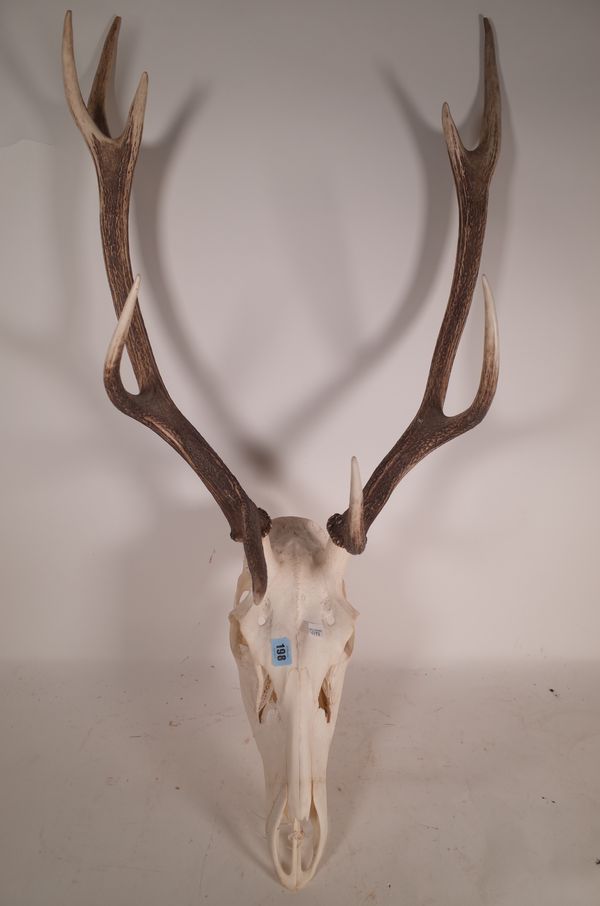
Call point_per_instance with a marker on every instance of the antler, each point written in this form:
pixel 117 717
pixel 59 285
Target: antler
pixel 115 160
pixel 431 427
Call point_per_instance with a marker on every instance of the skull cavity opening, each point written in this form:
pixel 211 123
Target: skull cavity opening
pixel 297 845
pixel 267 700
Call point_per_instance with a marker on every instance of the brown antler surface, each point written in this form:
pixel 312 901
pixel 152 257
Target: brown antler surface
pixel 431 428
pixel 115 160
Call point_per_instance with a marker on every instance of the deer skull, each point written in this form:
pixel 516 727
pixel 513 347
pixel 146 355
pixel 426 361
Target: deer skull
pixel 292 651
pixel 292 628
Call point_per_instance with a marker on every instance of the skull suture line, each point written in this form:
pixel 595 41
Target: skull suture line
pixel 292 628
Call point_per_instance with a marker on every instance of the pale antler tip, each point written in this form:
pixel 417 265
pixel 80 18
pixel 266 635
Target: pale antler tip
pixel 490 308
pixel 68 30
pixel 491 357
pixel 449 128
pixel 132 296
pixel 356 490
pixel 77 106
pixel 487 293
pixel 138 104
pixel 113 34
pixel 119 337
pixel 356 522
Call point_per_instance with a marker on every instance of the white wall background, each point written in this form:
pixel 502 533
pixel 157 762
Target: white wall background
pixel 294 222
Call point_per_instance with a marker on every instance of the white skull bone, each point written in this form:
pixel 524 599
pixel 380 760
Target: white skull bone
pixel 292 651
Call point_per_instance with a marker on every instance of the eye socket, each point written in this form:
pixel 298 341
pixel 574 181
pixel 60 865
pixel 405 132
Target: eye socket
pixel 239 645
pixel 268 696
pixel 324 701
pixel 349 646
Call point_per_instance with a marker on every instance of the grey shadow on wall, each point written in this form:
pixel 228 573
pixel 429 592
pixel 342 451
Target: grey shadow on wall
pixel 497 432
pixel 366 356
pixel 151 172
pixel 171 588
pixel 440 205
pixel 267 457
pixel 57 350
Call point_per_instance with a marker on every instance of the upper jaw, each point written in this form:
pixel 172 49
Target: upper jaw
pixel 296 863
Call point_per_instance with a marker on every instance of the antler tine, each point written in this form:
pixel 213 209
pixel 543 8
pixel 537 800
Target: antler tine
pixel 356 520
pixel 116 390
pixel 77 106
pixel 115 159
pixel 97 100
pixel 472 171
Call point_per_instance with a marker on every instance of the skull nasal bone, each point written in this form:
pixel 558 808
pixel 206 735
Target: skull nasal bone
pixel 300 706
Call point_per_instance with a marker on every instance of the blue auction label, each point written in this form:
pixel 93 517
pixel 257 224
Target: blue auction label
pixel 281 652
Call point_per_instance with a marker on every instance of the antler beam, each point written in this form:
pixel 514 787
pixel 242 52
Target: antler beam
pixel 115 159
pixel 431 427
